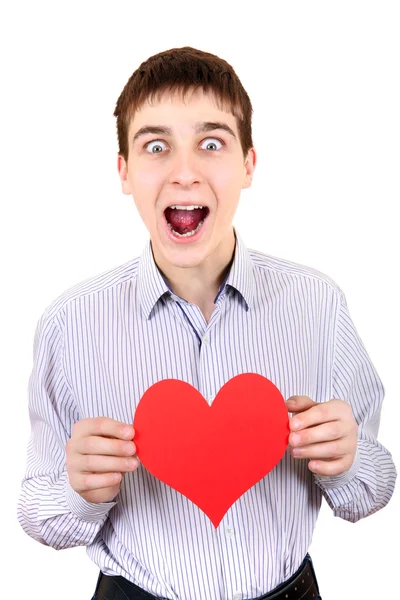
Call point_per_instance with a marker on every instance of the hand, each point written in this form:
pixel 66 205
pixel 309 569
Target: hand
pixel 326 432
pixel 99 451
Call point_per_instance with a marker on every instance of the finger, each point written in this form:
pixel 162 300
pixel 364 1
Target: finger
pixel 319 413
pixel 333 430
pixel 103 426
pixel 325 450
pixel 299 403
pixel 330 468
pixel 86 482
pixel 103 445
pixel 93 463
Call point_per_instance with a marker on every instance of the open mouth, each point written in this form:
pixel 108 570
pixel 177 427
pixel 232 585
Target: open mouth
pixel 186 221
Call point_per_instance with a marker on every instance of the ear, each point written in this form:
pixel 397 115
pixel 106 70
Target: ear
pixel 123 175
pixel 249 165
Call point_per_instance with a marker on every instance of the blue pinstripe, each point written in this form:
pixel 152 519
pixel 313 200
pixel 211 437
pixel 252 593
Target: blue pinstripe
pixel 103 342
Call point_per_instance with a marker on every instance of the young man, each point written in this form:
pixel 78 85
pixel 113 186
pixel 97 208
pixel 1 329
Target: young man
pixel 197 306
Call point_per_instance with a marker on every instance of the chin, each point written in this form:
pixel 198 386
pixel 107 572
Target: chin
pixel 185 258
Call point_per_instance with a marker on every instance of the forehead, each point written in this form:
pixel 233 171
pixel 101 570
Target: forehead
pixel 172 107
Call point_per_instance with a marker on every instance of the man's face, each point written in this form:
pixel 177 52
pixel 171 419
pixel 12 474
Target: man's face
pixel 185 168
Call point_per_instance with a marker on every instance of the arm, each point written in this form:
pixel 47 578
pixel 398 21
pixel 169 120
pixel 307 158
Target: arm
pixel 368 485
pixel 49 510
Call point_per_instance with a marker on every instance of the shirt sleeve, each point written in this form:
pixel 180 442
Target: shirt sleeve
pixel 369 483
pixel 48 508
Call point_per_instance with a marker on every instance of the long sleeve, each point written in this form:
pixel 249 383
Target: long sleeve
pixel 369 483
pixel 48 509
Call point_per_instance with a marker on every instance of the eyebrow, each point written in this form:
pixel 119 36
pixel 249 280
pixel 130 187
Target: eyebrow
pixel 199 127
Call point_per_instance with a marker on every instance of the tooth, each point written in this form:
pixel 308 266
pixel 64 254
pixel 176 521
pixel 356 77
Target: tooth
pixel 189 233
pixel 177 206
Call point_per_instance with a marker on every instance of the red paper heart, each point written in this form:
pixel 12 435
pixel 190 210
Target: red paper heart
pixel 212 454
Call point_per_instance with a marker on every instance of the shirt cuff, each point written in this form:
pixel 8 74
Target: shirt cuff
pixel 81 508
pixel 334 481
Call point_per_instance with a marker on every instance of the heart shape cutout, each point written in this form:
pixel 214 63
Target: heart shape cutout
pixel 212 454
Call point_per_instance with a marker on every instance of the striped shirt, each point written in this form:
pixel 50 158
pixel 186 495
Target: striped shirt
pixel 101 344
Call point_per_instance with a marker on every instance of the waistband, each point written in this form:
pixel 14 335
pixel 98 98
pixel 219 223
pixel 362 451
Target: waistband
pixel 301 585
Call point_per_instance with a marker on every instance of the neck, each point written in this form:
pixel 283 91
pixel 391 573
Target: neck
pixel 200 284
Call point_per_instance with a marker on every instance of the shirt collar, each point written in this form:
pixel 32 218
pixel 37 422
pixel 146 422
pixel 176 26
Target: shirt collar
pixel 152 285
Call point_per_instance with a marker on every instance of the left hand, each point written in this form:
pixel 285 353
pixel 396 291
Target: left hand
pixel 327 433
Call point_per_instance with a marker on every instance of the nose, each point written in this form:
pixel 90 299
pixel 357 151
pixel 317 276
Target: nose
pixel 184 169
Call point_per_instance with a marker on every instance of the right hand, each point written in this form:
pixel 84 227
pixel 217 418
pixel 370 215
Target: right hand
pixel 98 453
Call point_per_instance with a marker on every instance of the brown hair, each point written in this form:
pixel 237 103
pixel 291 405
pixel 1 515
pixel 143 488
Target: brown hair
pixel 184 69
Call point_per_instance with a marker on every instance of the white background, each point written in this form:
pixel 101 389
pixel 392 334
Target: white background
pixel 323 78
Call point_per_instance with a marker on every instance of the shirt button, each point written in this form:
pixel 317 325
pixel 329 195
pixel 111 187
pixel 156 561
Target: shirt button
pixel 206 340
pixel 237 596
pixel 229 532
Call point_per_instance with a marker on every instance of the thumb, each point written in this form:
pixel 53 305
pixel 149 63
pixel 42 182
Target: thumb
pixel 299 403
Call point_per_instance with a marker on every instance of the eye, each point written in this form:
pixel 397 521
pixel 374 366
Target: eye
pixel 215 139
pixel 158 143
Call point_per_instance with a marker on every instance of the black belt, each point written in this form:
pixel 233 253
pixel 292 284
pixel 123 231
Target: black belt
pixel 303 584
